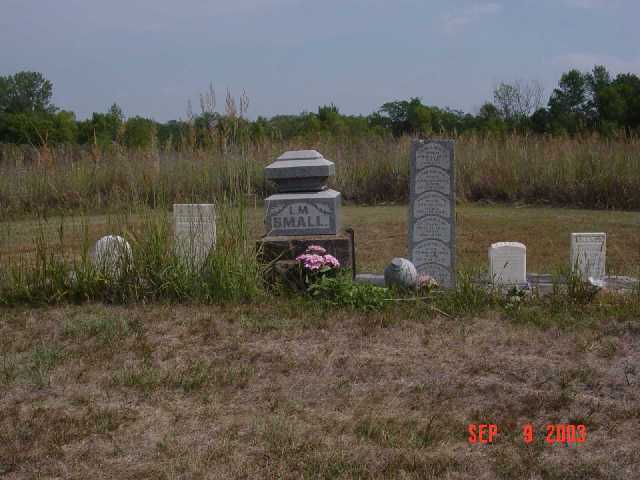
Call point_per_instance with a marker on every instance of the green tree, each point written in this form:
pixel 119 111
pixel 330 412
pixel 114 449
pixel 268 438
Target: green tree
pixel 103 128
pixel 569 103
pixel 490 119
pixel 540 121
pixel 26 92
pixel 38 128
pixel 4 94
pixel 139 132
pixel 408 116
pixel 627 106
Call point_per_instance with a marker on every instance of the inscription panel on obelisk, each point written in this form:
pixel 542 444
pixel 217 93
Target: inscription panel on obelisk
pixel 432 210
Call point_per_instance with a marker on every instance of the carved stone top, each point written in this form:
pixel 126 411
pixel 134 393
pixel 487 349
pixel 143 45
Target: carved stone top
pixel 300 171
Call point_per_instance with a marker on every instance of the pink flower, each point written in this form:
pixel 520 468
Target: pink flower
pixel 311 262
pixel 426 281
pixel 331 261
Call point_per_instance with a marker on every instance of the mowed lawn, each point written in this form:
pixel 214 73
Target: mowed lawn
pixel 282 389
pixel 381 234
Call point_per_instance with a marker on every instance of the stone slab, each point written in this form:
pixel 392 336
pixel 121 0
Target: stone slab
pixel 301 214
pixel 300 155
pixel 432 210
pixel 300 171
pixel 508 263
pixel 272 248
pixel 588 254
pixel 195 231
pixel 546 283
pixel 370 278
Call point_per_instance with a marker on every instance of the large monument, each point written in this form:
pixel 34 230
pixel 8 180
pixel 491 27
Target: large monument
pixel 432 218
pixel 304 211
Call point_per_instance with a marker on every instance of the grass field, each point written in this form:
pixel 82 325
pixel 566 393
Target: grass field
pixel 381 234
pixel 284 388
pixel 274 391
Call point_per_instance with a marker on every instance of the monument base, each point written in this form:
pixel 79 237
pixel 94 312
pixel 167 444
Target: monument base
pixel 279 248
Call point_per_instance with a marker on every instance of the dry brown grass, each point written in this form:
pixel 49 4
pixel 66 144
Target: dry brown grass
pixel 591 172
pixel 270 391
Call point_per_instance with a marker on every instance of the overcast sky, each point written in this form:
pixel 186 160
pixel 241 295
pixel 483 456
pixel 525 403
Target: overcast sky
pixel 151 56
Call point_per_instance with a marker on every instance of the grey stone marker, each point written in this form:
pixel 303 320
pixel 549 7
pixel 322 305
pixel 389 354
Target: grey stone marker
pixel 111 254
pixel 508 263
pixel 316 213
pixel 195 232
pixel 400 272
pixel 432 210
pixel 588 254
pixel 303 205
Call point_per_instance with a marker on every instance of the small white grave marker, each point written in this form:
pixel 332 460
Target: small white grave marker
pixel 195 232
pixel 508 263
pixel 111 254
pixel 588 254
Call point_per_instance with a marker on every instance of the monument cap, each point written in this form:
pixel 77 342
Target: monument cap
pixel 300 171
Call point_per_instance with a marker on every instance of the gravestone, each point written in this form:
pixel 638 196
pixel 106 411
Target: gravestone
pixel 112 255
pixel 303 205
pixel 300 214
pixel 508 263
pixel 401 273
pixel 304 211
pixel 432 210
pixel 588 253
pixel 195 232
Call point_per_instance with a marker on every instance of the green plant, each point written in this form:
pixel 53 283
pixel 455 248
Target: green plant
pixel 578 290
pixel 468 298
pixel 343 292
pixel 514 299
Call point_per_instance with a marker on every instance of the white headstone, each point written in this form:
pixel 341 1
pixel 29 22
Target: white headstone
pixel 508 263
pixel 588 253
pixel 195 232
pixel 111 255
pixel 432 218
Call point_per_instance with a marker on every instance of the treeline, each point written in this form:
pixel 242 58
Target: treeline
pixel 583 102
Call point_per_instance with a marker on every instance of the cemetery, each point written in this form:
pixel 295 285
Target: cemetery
pixel 275 239
pixel 405 333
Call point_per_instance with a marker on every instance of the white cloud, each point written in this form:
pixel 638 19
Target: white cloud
pixel 586 61
pixel 454 22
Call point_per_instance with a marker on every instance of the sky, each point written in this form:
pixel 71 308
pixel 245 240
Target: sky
pixel 153 56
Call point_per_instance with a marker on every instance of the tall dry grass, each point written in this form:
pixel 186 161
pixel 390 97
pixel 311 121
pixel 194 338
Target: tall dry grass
pixel 59 270
pixel 582 172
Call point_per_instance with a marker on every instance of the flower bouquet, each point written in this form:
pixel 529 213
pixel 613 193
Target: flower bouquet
pixel 316 263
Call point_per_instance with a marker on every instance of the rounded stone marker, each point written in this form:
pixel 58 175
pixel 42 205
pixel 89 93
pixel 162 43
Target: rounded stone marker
pixel 401 273
pixel 111 254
